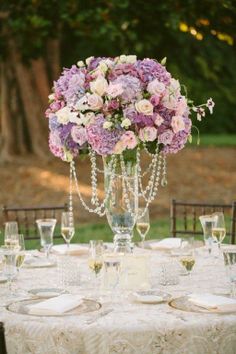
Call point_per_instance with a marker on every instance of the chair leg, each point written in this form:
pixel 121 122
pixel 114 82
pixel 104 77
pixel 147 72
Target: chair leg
pixel 3 349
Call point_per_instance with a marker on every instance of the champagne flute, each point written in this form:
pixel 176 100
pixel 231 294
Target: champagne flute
pixel 21 254
pixel 9 266
pixel 207 223
pixel 11 238
pixel 142 223
pixel 46 228
pixel 218 228
pixel 67 227
pixel 230 264
pixel 187 259
pixel 95 261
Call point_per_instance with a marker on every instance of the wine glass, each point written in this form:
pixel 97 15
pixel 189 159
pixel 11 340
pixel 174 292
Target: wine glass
pixel 9 266
pixel 46 228
pixel 95 261
pixel 207 223
pixel 187 258
pixel 142 223
pixel 21 254
pixel 67 227
pixel 11 234
pixel 218 228
pixel 230 264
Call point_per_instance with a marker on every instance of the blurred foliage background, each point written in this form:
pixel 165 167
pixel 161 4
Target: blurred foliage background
pixel 197 37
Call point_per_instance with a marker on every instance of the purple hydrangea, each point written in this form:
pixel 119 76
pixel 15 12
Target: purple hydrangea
pixel 53 123
pixel 131 86
pixel 123 69
pixel 102 140
pixel 149 69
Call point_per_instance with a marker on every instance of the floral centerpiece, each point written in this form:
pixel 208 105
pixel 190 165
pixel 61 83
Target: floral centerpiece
pixel 114 108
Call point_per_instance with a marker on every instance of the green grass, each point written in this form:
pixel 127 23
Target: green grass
pixel 215 140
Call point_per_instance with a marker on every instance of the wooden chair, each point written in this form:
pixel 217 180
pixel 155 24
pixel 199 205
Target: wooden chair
pixel 185 217
pixel 2 340
pixel 27 216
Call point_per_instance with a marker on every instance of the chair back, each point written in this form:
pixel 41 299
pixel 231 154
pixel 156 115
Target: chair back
pixel 2 340
pixel 185 217
pixel 27 216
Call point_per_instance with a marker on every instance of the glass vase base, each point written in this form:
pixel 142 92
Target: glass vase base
pixel 122 243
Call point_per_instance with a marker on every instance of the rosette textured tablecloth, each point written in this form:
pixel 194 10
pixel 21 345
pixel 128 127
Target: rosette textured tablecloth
pixel 131 328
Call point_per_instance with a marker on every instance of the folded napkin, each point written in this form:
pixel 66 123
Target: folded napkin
pixel 74 249
pixel 166 244
pixel 56 305
pixel 213 302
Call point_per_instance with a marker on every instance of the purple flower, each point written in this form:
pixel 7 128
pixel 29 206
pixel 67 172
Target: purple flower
pixel 102 140
pixel 123 69
pixel 53 123
pixel 149 69
pixel 166 137
pixel 131 87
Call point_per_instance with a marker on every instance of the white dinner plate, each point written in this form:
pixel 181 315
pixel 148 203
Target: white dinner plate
pixel 150 296
pixel 46 293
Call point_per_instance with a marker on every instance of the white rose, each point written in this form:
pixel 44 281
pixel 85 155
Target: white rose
pixel 126 123
pixel 64 115
pixel 51 96
pixel 80 63
pixel 174 87
pixel 88 60
pixel 107 125
pixel 123 58
pixel 103 67
pixel 155 87
pixel 95 102
pixel 89 117
pixel 144 106
pixel 131 59
pixel 99 86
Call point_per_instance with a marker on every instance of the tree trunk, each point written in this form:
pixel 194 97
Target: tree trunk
pixel 53 57
pixel 41 80
pixel 32 105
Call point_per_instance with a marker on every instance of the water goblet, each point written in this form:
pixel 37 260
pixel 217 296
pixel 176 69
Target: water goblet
pixel 207 224
pixel 67 227
pixel 11 228
pixel 230 264
pixel 46 229
pixel 142 223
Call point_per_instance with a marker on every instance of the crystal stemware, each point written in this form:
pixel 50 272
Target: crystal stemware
pixel 46 229
pixel 142 223
pixel 67 227
pixel 11 234
pixel 9 266
pixel 230 264
pixel 218 228
pixel 21 254
pixel 207 222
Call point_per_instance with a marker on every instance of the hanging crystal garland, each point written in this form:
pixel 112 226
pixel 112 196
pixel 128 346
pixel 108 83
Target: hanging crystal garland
pixel 157 169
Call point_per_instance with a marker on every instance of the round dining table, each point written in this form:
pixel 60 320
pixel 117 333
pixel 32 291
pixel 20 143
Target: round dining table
pixel 122 325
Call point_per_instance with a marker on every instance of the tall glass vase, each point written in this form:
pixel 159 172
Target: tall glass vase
pixel 121 188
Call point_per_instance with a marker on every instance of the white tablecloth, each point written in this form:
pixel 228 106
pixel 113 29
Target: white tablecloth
pixel 131 328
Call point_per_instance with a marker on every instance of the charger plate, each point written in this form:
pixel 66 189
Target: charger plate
pixel 21 307
pixel 182 303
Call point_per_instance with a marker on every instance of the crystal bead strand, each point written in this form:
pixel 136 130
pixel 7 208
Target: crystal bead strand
pixel 164 173
pixel 94 198
pixel 71 195
pixel 99 209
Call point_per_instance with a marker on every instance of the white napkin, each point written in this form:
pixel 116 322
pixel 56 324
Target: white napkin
pixel 56 305
pixel 213 302
pixel 166 244
pixel 74 249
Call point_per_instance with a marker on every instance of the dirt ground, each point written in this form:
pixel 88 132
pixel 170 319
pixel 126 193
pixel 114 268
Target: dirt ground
pixel 195 174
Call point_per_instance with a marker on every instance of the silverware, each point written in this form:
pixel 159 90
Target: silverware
pixel 101 314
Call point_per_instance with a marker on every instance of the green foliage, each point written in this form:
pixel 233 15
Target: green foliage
pixel 201 54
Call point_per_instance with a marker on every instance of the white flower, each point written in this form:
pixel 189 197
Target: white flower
pixel 158 120
pixel 156 87
pixel 95 102
pixel 210 105
pixel 82 104
pixel 114 90
pixel 144 106
pixel 51 97
pixel 107 125
pixel 99 86
pixel 103 67
pixel 131 59
pixel 125 123
pixel 200 112
pixel 88 60
pixel 177 124
pixel 89 118
pixel 80 64
pixel 122 58
pixel 64 115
